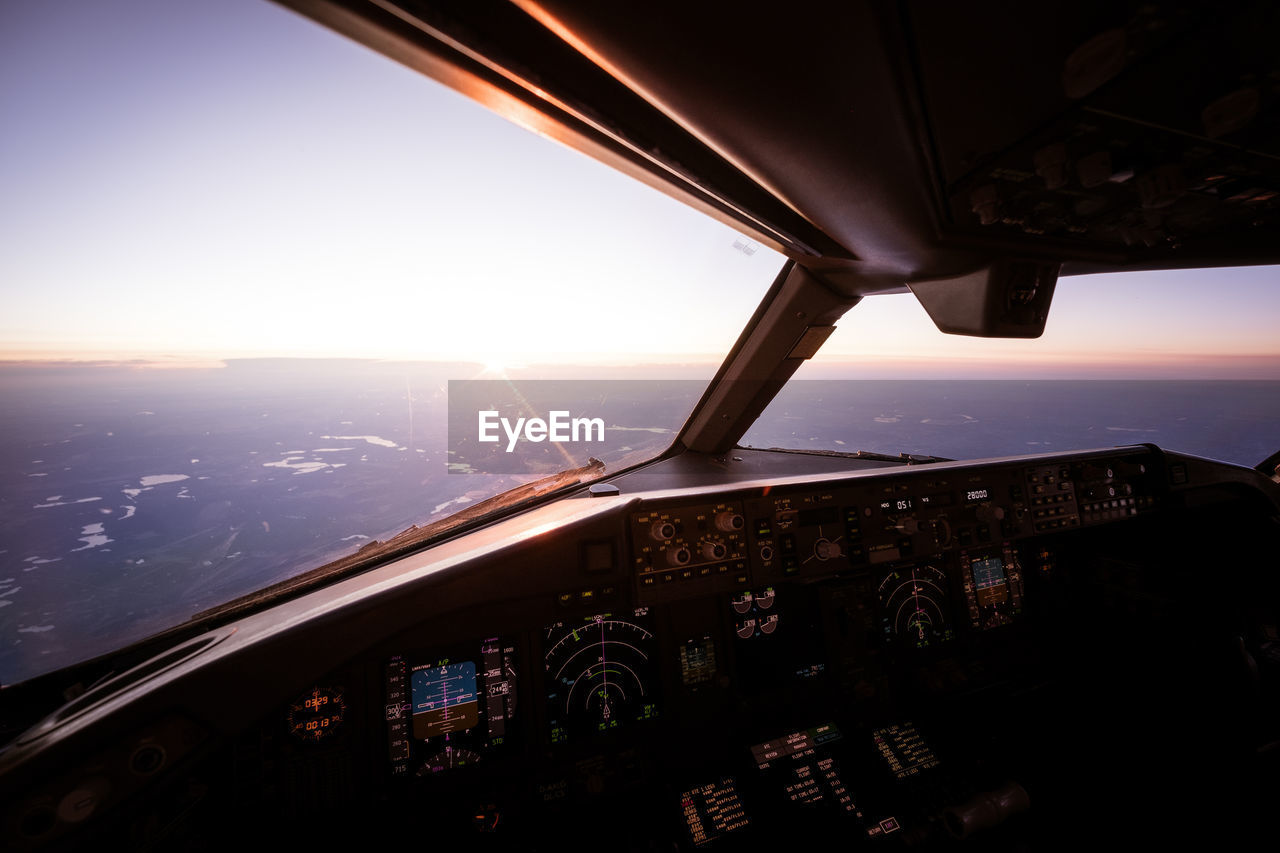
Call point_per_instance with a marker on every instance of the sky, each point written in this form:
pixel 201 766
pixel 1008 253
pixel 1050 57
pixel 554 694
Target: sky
pixel 267 187
pixel 1168 324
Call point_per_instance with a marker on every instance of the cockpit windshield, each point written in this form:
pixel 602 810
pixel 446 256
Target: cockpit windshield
pixel 1185 359
pixel 240 271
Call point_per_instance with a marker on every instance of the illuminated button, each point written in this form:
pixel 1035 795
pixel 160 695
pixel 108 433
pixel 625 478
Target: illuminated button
pixel 587 595
pixel 566 597
pixel 646 581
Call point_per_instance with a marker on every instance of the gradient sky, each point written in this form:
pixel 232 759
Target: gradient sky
pixel 217 179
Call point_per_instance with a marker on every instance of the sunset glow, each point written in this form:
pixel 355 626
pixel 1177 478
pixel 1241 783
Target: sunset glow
pixel 273 189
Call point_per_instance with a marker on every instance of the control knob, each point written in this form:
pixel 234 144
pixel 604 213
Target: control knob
pixel 714 550
pixel 825 549
pixel 729 521
pixel 662 531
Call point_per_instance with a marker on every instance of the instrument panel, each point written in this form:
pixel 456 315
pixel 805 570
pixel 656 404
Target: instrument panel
pixel 860 655
pixel 777 533
pixel 789 604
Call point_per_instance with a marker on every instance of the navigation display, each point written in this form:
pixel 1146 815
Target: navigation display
pixel 915 606
pixel 600 674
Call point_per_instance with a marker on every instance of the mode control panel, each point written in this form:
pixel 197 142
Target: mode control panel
pixel 700 547
pixel 767 534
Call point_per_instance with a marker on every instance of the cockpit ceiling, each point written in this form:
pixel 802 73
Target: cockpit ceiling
pixel 882 142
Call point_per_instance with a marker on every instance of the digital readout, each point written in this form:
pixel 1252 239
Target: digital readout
pixel 904 750
pixel 713 810
pixel 974 496
pixel 896 505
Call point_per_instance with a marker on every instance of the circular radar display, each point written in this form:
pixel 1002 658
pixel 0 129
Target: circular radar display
pixel 913 603
pixel 599 675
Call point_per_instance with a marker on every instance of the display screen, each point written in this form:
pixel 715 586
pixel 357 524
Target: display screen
pixel 754 613
pixel 993 588
pixel 600 674
pixel 712 810
pixel 448 711
pixel 974 496
pixel 915 606
pixel 888 507
pixel 773 637
pixel 904 751
pixel 697 661
pixel 444 699
pixel 988 573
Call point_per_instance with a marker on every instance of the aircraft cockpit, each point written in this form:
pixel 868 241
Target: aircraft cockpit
pixel 732 645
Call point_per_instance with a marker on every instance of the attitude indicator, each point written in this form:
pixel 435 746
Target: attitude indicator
pixel 444 699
